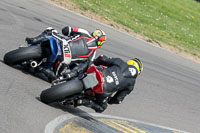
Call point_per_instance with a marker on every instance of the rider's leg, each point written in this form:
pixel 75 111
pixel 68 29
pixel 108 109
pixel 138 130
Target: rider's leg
pixel 99 106
pixel 91 104
pixel 42 36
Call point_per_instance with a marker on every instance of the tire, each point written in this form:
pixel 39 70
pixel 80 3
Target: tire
pixel 60 91
pixel 22 54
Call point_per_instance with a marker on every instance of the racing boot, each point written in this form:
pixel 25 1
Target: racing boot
pixel 91 104
pixel 41 37
pixel 35 40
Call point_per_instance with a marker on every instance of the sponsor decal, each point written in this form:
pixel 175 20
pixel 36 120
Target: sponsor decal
pixel 133 71
pixel 66 52
pixel 66 48
pixel 67 55
pixel 116 78
pixel 109 79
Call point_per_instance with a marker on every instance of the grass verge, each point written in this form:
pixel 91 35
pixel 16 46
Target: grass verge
pixel 175 23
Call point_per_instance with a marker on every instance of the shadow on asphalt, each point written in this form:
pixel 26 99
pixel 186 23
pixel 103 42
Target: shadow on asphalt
pixel 72 110
pixel 17 67
pixel 85 120
pixel 2 61
pixel 27 72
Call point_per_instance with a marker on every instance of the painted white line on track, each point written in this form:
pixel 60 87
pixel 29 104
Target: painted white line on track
pixel 51 126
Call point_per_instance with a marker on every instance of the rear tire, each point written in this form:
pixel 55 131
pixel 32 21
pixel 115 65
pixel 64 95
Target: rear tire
pixel 22 54
pixel 60 91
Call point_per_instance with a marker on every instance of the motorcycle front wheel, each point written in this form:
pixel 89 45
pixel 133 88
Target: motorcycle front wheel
pixel 22 54
pixel 60 91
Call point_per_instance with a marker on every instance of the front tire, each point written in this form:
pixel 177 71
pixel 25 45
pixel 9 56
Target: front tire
pixel 60 91
pixel 22 54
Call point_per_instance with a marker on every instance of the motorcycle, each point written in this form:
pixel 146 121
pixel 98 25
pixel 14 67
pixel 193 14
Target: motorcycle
pixel 48 51
pixel 68 92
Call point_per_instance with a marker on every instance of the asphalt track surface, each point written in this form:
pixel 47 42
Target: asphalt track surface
pixel 167 93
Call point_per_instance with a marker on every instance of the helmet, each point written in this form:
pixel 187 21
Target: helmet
pixel 137 64
pixel 100 35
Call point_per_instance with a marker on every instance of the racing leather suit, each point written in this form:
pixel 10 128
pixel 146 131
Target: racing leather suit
pixel 119 78
pixel 83 46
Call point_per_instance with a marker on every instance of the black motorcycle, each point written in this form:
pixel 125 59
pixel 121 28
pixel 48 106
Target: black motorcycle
pixel 69 92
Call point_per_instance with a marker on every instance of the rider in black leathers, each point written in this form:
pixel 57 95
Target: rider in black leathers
pixel 119 77
pixel 83 46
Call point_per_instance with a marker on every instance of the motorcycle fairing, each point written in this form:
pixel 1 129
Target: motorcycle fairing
pixel 55 49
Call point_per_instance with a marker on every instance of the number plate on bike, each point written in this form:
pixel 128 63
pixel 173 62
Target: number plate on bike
pixel 90 80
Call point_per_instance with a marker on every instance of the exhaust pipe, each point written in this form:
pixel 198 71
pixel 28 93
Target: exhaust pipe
pixel 33 64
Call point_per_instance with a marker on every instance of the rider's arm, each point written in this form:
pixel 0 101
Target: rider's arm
pixel 69 31
pixel 81 68
pixel 104 60
pixel 120 95
pixel 92 56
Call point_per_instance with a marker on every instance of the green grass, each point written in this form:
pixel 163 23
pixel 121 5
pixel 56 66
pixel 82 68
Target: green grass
pixel 174 22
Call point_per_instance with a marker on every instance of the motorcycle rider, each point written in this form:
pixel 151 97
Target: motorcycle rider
pixel 119 77
pixel 83 46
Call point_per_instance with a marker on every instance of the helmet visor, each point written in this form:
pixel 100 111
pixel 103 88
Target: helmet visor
pixel 101 40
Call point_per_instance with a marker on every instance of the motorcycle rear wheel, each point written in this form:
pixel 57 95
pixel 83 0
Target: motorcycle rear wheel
pixel 60 91
pixel 22 54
